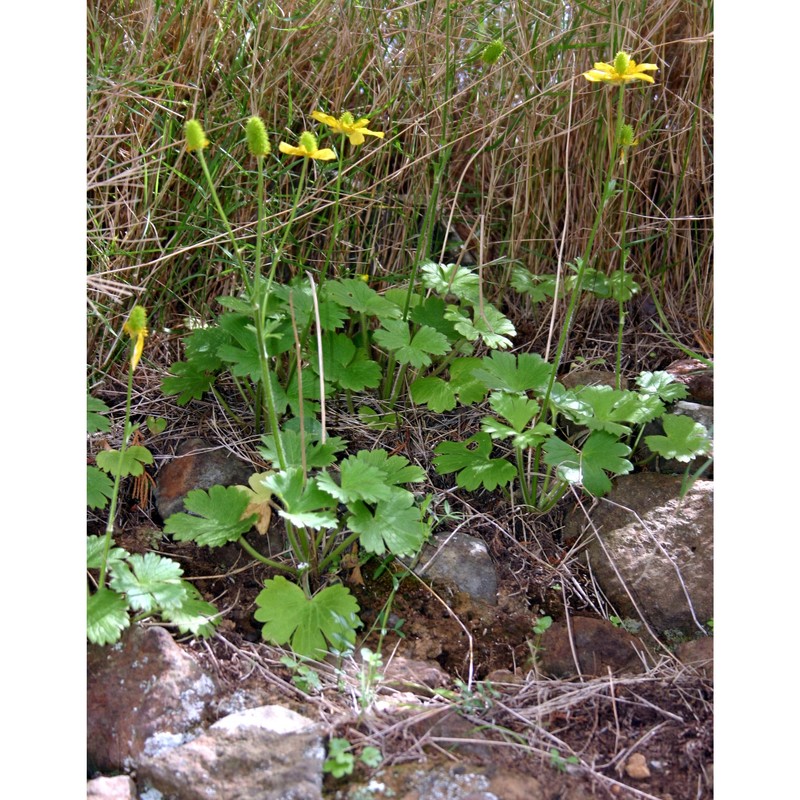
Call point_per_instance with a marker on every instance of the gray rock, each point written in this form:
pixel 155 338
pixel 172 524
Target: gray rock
pixel 142 693
pixel 120 787
pixel 463 561
pixel 197 465
pixel 654 555
pixel 598 645
pixel 265 753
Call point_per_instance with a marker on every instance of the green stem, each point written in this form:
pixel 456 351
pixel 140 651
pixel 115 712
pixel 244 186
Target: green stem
pixel 112 511
pixel 245 545
pixel 607 193
pixel 334 238
pixel 623 261
pixel 226 223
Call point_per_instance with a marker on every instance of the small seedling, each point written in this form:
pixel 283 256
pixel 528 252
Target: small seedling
pixel 559 762
pixel 341 761
pixel 304 678
pixel 542 624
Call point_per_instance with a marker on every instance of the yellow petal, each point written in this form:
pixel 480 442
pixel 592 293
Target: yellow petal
pixel 326 154
pixel 290 150
pixel 327 119
pixel 137 349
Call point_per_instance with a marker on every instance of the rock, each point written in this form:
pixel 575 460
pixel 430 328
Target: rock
pixel 265 753
pixel 659 545
pixel 120 787
pixel 504 676
pixel 698 654
pixel 697 377
pixel 636 767
pixel 197 465
pixel 142 692
pixel 592 377
pixel 599 646
pixel 410 675
pixel 462 561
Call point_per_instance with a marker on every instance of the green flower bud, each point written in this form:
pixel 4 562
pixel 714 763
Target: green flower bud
pixel 308 142
pixel 195 136
pixel 257 141
pixel 492 52
pixel 621 63
pixel 626 136
pixel 136 322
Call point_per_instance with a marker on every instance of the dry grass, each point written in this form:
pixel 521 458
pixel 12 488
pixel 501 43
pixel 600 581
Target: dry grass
pixel 510 155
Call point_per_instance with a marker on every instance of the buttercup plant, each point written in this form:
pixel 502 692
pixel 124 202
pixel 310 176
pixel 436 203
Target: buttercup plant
pixel 143 585
pixel 262 341
pixel 527 400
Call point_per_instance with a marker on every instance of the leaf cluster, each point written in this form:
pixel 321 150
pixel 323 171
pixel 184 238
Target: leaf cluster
pixel 143 585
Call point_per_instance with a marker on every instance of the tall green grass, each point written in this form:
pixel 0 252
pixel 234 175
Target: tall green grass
pixel 510 154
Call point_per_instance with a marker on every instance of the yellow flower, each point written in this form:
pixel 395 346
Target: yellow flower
pixel 354 129
pixel 136 328
pixel 623 70
pixel 195 136
pixel 308 148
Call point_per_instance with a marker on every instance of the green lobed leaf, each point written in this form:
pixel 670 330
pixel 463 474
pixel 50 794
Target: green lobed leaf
pixel 106 617
pixel 538 287
pixel 488 324
pixel 358 480
pixel 149 581
pixel 346 365
pixel 131 462
pixel 467 387
pixel 99 488
pixel 683 438
pixel 601 452
pixel 523 373
pixel 188 381
pixel 216 517
pixel 622 286
pixel 95 419
pixel 194 615
pixel 396 469
pixel 661 384
pixel 395 525
pixel 447 279
pixel 311 626
pixel 516 409
pixel 433 392
pixel 304 503
pixel 430 312
pixel 356 295
pixel 415 349
pixel 95 545
pixel 318 455
pixel 472 462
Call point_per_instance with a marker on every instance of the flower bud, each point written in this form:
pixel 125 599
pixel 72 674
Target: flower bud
pixel 621 63
pixel 257 141
pixel 195 136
